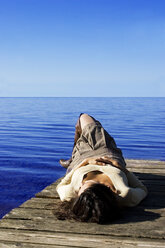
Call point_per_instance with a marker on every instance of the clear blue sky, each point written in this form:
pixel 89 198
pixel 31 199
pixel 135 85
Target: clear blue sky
pixel 82 48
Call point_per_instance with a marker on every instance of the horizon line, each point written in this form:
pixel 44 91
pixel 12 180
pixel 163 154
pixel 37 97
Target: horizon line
pixel 82 96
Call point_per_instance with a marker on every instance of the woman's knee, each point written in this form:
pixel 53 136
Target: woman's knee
pixel 85 119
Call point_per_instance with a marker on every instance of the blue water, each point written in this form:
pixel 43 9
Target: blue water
pixel 36 132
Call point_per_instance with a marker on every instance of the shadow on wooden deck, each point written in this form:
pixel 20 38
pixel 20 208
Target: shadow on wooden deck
pixel 150 208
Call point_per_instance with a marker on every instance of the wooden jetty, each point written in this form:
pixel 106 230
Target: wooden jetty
pixel 33 224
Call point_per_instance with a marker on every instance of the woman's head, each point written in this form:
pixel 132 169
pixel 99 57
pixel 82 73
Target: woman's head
pixel 96 204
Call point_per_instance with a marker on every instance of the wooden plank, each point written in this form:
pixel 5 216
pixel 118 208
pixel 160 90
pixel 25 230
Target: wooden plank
pixel 149 176
pixel 154 199
pixel 75 240
pixel 31 213
pixel 141 162
pixel 39 203
pixel 127 226
pixel 49 192
pixel 148 170
pixel 7 244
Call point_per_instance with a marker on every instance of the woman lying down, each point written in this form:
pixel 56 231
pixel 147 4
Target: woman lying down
pixel 97 184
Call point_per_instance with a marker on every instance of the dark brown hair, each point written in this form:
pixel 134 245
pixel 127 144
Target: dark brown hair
pixel 96 204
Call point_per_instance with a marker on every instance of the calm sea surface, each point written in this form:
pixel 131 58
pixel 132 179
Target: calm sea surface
pixel 36 132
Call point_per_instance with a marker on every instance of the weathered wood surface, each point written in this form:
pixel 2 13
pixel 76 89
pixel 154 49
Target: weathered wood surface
pixel 33 224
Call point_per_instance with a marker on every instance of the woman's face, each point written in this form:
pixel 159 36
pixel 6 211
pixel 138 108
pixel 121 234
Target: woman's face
pixel 89 183
pixel 85 185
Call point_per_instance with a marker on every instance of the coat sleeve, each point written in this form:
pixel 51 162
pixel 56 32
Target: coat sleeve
pixel 65 189
pixel 135 192
pixel 66 192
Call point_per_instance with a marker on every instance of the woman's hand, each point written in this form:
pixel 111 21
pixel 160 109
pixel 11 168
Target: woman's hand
pixel 94 161
pixel 103 161
pixel 113 162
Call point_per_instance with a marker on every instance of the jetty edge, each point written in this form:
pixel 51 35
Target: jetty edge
pixel 33 225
